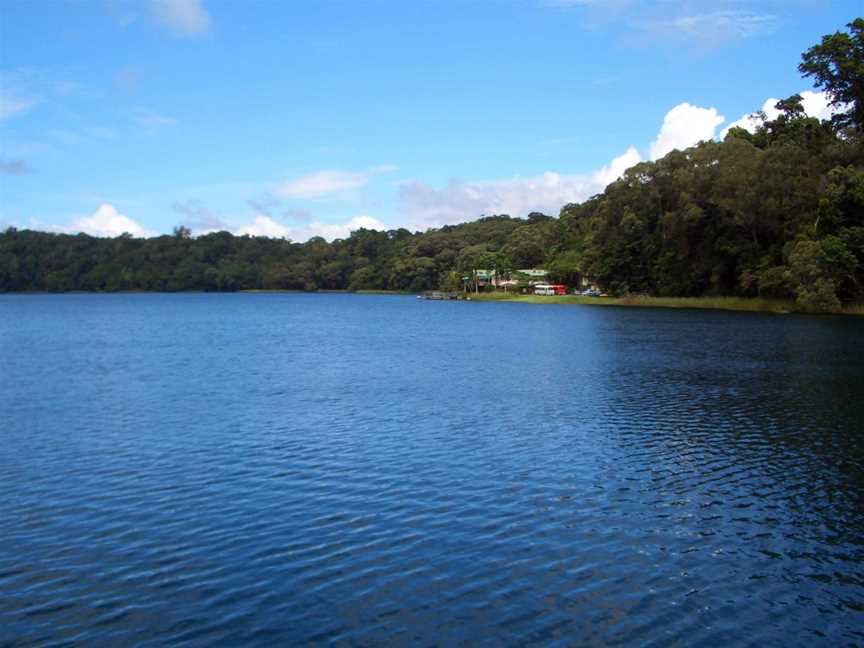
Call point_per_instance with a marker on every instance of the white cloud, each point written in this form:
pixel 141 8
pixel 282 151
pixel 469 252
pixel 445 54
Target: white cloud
pixel 266 226
pixel 459 201
pixel 184 18
pixel 424 206
pixel 816 104
pixel 684 126
pixel 324 183
pixel 332 231
pixel 105 221
pixel 700 24
pixel 714 27
pixel 751 121
pixel 616 168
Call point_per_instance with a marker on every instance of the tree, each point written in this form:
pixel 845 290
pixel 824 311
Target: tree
pixel 450 280
pixel 566 268
pixel 837 65
pixel 498 263
pixel 791 108
pixel 182 232
pixel 817 269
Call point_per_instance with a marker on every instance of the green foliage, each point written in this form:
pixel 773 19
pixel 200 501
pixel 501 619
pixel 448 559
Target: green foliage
pixel 817 269
pixel 565 267
pixel 837 65
pixel 528 245
pixel 776 283
pixel 450 281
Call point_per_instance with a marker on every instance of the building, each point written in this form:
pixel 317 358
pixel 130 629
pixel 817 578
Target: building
pixel 483 278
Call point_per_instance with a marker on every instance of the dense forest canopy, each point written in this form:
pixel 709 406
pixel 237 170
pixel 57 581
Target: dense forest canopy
pixel 775 213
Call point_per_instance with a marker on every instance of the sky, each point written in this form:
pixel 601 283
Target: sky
pixel 300 119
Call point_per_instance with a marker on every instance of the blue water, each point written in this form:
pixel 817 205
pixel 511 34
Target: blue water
pixel 268 470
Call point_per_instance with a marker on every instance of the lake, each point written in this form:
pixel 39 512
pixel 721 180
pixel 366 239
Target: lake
pixel 291 469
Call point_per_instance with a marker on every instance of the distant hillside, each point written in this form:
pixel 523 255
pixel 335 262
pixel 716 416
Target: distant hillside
pixel 775 213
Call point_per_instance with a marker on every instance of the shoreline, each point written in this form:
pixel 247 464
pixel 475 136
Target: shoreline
pixel 739 304
pixel 325 291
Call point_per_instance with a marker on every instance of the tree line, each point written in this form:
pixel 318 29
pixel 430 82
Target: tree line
pixel 775 213
pixel 368 259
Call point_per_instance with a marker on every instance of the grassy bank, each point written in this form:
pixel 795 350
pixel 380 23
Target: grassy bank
pixel 335 292
pixel 716 303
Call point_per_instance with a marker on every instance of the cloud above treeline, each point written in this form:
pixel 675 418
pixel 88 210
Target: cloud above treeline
pixel 816 104
pixel 265 222
pixel 105 221
pixel 266 226
pixel 683 126
pixel 421 205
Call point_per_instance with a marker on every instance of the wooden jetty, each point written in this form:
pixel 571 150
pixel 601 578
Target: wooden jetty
pixel 439 295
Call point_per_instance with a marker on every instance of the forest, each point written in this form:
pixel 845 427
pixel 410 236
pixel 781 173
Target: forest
pixel 777 213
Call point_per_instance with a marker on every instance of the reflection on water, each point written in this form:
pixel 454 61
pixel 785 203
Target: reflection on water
pixel 260 469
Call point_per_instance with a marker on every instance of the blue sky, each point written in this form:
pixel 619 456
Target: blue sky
pixel 298 119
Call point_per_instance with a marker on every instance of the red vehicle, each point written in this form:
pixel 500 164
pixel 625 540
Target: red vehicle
pixel 560 289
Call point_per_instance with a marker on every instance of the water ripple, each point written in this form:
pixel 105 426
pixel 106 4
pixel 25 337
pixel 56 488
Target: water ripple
pixel 309 469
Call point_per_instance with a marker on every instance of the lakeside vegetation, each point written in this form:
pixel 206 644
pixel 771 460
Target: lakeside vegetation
pixel 748 304
pixel 771 220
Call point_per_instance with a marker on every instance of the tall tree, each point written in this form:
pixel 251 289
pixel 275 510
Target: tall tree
pixel 837 65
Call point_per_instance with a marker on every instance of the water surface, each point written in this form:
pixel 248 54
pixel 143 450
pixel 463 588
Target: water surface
pixel 376 470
